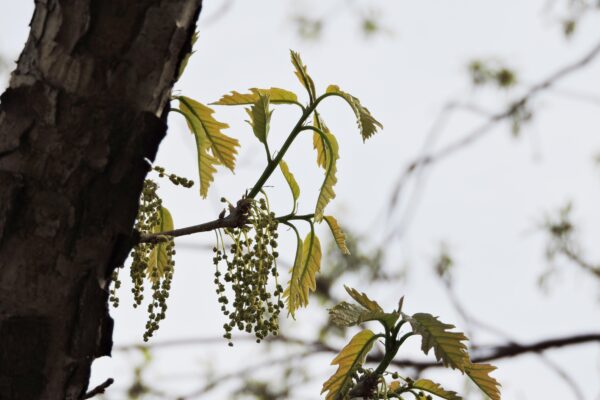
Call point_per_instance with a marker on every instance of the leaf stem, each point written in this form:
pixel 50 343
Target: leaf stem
pixel 272 165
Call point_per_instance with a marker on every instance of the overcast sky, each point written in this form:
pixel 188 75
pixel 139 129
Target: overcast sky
pixel 486 201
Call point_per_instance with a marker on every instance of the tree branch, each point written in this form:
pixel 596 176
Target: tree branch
pixel 238 217
pixel 99 389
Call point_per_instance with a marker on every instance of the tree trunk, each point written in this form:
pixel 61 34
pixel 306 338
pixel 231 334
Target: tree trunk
pixel 86 105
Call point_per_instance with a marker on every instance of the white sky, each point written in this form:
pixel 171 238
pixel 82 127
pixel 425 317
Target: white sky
pixel 485 202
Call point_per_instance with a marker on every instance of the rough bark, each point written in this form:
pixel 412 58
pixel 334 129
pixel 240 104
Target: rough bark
pixel 86 105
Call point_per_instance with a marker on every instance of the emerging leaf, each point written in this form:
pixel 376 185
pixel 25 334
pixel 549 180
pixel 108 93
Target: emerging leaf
pixel 222 146
pixel 186 58
pixel 302 74
pixel 327 194
pixel 289 177
pixel 337 233
pixel 480 374
pixel 212 146
pixel 349 360
pixel 260 117
pixel 363 300
pixel 318 142
pixel 448 346
pixel 158 256
pixel 276 95
pixel 434 388
pixel 303 279
pixel 346 314
pixel 367 124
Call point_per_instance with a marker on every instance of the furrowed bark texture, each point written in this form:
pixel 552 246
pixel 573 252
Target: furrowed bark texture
pixel 86 104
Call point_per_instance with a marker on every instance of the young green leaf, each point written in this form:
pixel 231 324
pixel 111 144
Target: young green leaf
pixel 158 259
pixel 348 360
pixel 363 300
pixel 290 293
pixel 434 388
pixel 327 194
pixel 302 74
pixel 289 177
pixel 337 233
pixel 186 58
pixel 394 386
pixel 367 124
pixel 206 163
pixel 318 141
pixel 276 95
pixel 448 346
pixel 480 375
pixel 260 117
pixel 223 147
pixel 303 279
pixel 346 314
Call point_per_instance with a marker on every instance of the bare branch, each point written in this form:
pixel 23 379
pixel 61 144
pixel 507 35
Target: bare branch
pixel 238 216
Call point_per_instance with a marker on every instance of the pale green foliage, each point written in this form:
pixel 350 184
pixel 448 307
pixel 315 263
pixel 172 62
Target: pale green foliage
pixel 447 346
pixel 327 193
pixel 367 124
pixel 276 96
pixel 159 256
pixel 212 145
pixel 346 314
pixel 348 360
pixel 338 234
pixel 186 58
pixel 302 75
pixel 480 375
pixel 318 141
pixel 260 117
pixel 303 279
pixel 434 388
pixel 289 177
pixel 363 300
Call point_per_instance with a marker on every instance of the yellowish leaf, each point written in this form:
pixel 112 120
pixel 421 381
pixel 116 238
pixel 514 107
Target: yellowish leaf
pixel 363 300
pixel 302 75
pixel 345 314
pixel 223 147
pixel 260 117
pixel 434 388
pixel 367 124
pixel 303 279
pixel 337 233
pixel 159 259
pixel 348 360
pixel 327 193
pixel 447 346
pixel 289 177
pixel 318 142
pixel 394 386
pixel 480 375
pixel 276 95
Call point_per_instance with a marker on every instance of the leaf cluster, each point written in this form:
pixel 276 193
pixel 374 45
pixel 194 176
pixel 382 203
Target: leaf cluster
pixel 351 378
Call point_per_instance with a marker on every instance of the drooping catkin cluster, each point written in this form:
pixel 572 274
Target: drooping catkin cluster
pixel 175 179
pixel 151 261
pixel 250 262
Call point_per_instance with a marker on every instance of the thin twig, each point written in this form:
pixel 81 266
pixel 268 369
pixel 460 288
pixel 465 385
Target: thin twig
pixel 99 389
